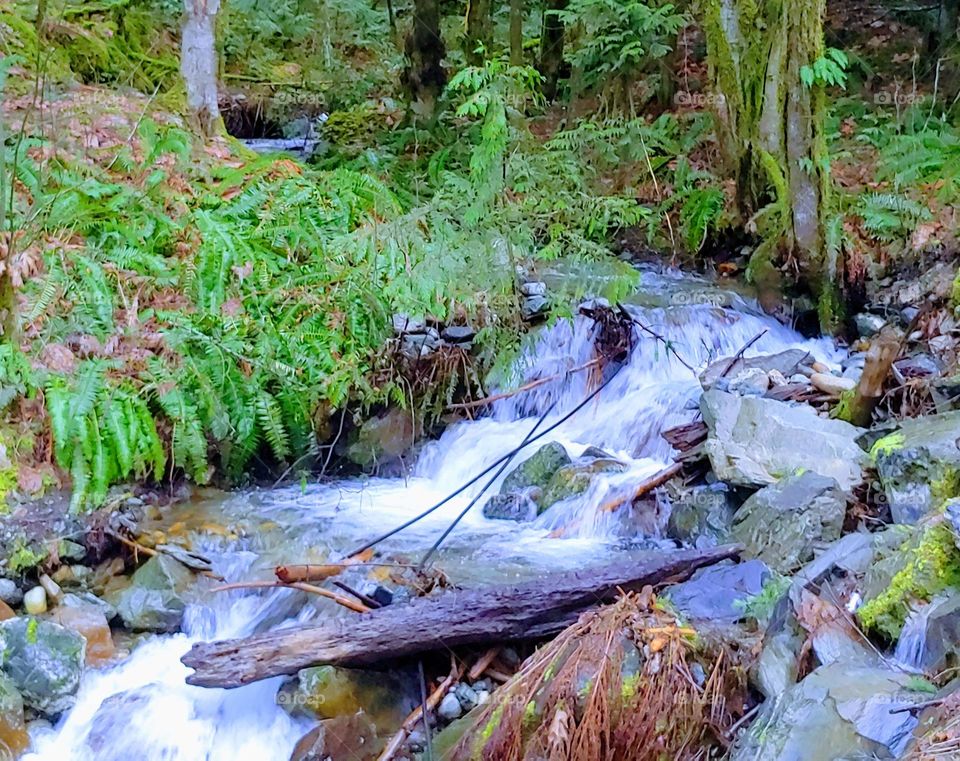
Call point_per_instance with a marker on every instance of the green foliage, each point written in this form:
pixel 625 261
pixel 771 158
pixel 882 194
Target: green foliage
pixel 23 557
pixel 927 157
pixel 761 606
pixel 829 70
pixel 889 216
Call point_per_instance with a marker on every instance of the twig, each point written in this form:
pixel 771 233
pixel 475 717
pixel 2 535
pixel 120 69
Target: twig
pixel 368 601
pixel 742 720
pixel 346 602
pixel 149 551
pixel 423 711
pixel 651 332
pixel 483 664
pixel 739 354
pixel 526 387
pixel 308 572
pixel 919 706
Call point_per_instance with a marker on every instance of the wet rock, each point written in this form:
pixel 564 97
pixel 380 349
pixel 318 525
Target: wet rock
pixel 832 384
pixel 753 382
pixel 916 366
pixel 534 306
pixel 868 325
pixel 458 334
pixel 13 731
pixel 90 623
pixel 719 593
pixel 127 715
pixel 919 465
pixel 786 363
pixel 838 711
pixel 756 442
pixel 328 692
pixel 87 599
pixel 538 469
pixel 154 602
pixel 703 516
pixel 574 479
pixel 783 524
pixel 44 660
pixel 930 641
pixel 35 601
pixel 416 346
pixel 345 738
pixel 383 438
pixel 520 505
pixel 10 593
pixel 450 708
pixel 534 288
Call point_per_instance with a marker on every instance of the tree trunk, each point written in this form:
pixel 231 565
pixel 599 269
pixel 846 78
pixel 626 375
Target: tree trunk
pixel 198 65
pixel 947 24
pixel 516 32
pixel 772 130
pixel 424 76
pixel 551 47
pixel 531 610
pixel 479 31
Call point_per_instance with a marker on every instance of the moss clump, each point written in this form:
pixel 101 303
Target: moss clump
pixel 931 565
pixel 888 444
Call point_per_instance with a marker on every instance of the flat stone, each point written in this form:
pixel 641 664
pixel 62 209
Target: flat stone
pixel 458 334
pixel 718 593
pixel 786 363
pixel 832 384
pixel 534 288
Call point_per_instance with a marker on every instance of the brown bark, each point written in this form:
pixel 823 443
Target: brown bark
pixel 479 31
pixel 516 32
pixel 198 65
pixel 423 76
pixel 551 48
pixel 530 610
pixel 858 409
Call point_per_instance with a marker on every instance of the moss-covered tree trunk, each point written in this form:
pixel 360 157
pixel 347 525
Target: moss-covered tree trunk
pixel 423 75
pixel 479 31
pixel 516 32
pixel 198 65
pixel 551 47
pixel 772 130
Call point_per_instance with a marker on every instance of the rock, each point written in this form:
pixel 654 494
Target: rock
pixel 70 550
pixel 832 384
pixel 345 738
pixel 86 599
pixel 383 438
pixel 44 660
pixel 450 708
pixel 538 469
pixel 786 363
pixel 930 640
pixel 908 314
pixel 54 593
pixel 35 601
pixel 14 738
pixel 327 692
pixel 458 334
pixel 703 516
pixel 752 382
pixel 868 325
pixel 574 479
pixel 755 442
pixel 919 465
pixel 10 593
pixel 839 711
pixel 718 593
pixel 534 306
pixel 777 668
pixel 89 622
pixel 534 288
pixel 467 696
pixel 783 524
pixel 154 602
pixel 134 713
pixel 404 323
pixel 777 378
pixel 916 366
pixel 520 505
pixel 416 346
pixel 6 612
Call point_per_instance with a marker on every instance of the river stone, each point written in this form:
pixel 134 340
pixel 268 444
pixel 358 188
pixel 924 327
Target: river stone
pixel 44 660
pixel 783 524
pixel 703 516
pixel 35 601
pixel 839 711
pixel 538 469
pixel 10 593
pixel 919 465
pixel 450 707
pixel 574 479
pixel 383 438
pixel 416 346
pixel 90 623
pixel 756 442
pixel 718 593
pixel 345 738
pixel 785 363
pixel 520 505
pixel 868 325
pixel 154 602
pixel 752 382
pixel 935 648
pixel 13 730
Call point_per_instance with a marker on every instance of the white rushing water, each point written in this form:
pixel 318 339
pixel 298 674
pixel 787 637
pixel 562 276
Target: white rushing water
pixel 142 708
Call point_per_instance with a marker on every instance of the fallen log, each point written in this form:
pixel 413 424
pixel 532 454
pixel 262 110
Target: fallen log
pixel 530 610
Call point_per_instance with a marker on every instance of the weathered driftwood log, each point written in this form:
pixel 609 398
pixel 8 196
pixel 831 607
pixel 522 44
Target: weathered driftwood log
pixel 530 610
pixel 858 407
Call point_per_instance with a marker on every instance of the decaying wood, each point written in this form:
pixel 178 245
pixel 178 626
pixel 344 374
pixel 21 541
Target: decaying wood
pixel 483 664
pixel 643 488
pixel 346 602
pixel 685 437
pixel 881 355
pixel 289 574
pixel 530 610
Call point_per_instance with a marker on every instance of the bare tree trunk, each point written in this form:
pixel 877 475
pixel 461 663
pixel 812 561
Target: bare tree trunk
pixel 198 65
pixel 479 31
pixel 424 76
pixel 516 32
pixel 551 47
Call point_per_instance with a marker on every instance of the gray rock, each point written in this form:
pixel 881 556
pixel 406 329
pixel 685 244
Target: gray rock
pixel 69 550
pixel 786 363
pixel 534 306
pixel 919 465
pixel 419 345
pixel 703 516
pixel 383 438
pixel 783 524
pixel 752 382
pixel 467 696
pixel 868 325
pixel 10 593
pixel 915 366
pixel 404 323
pixel 839 711
pixel 44 661
pixel 538 469
pixel 519 505
pixel 450 707
pixel 575 478
pixel 154 601
pixel 756 442
pixel 930 640
pixel 86 599
pixel 458 334
pixel 718 593
pixel 534 288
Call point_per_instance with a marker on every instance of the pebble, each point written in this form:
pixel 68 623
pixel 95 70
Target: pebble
pixel 483 697
pixel 466 695
pixel 819 367
pixel 35 601
pixel 868 324
pixel 831 384
pixel 10 593
pixel 51 588
pixel 450 708
pixel 777 378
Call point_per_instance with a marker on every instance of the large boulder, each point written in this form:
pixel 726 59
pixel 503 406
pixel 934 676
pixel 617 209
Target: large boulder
pixel 575 478
pixel 919 465
pixel 44 661
pixel 154 601
pixel 757 442
pixel 839 711
pixel 784 523
pixel 538 469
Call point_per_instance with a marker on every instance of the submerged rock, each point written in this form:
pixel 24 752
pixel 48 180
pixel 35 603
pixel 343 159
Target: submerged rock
pixel 919 465
pixel 719 593
pixel 520 505
pixel 154 602
pixel 756 442
pixel 44 661
pixel 782 524
pixel 538 469
pixel 838 711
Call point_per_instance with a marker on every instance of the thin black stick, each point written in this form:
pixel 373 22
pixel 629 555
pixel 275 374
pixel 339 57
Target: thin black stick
pixel 739 354
pixel 487 485
pixel 423 712
pixel 484 472
pixel 368 601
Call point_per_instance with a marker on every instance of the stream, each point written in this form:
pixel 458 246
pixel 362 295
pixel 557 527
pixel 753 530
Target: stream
pixel 142 708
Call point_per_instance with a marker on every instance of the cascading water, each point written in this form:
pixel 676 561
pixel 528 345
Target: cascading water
pixel 141 708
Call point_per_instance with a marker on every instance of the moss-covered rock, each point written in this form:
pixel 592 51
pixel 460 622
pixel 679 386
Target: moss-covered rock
pixel 575 478
pixel 538 469
pixel 44 661
pixel 703 516
pixel 154 601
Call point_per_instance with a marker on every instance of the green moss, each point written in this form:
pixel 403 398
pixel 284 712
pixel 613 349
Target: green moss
pixel 931 565
pixel 8 483
pixel 946 487
pixel 484 737
pixel 629 687
pixel 24 557
pixel 955 291
pixel 888 444
pixel 32 626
